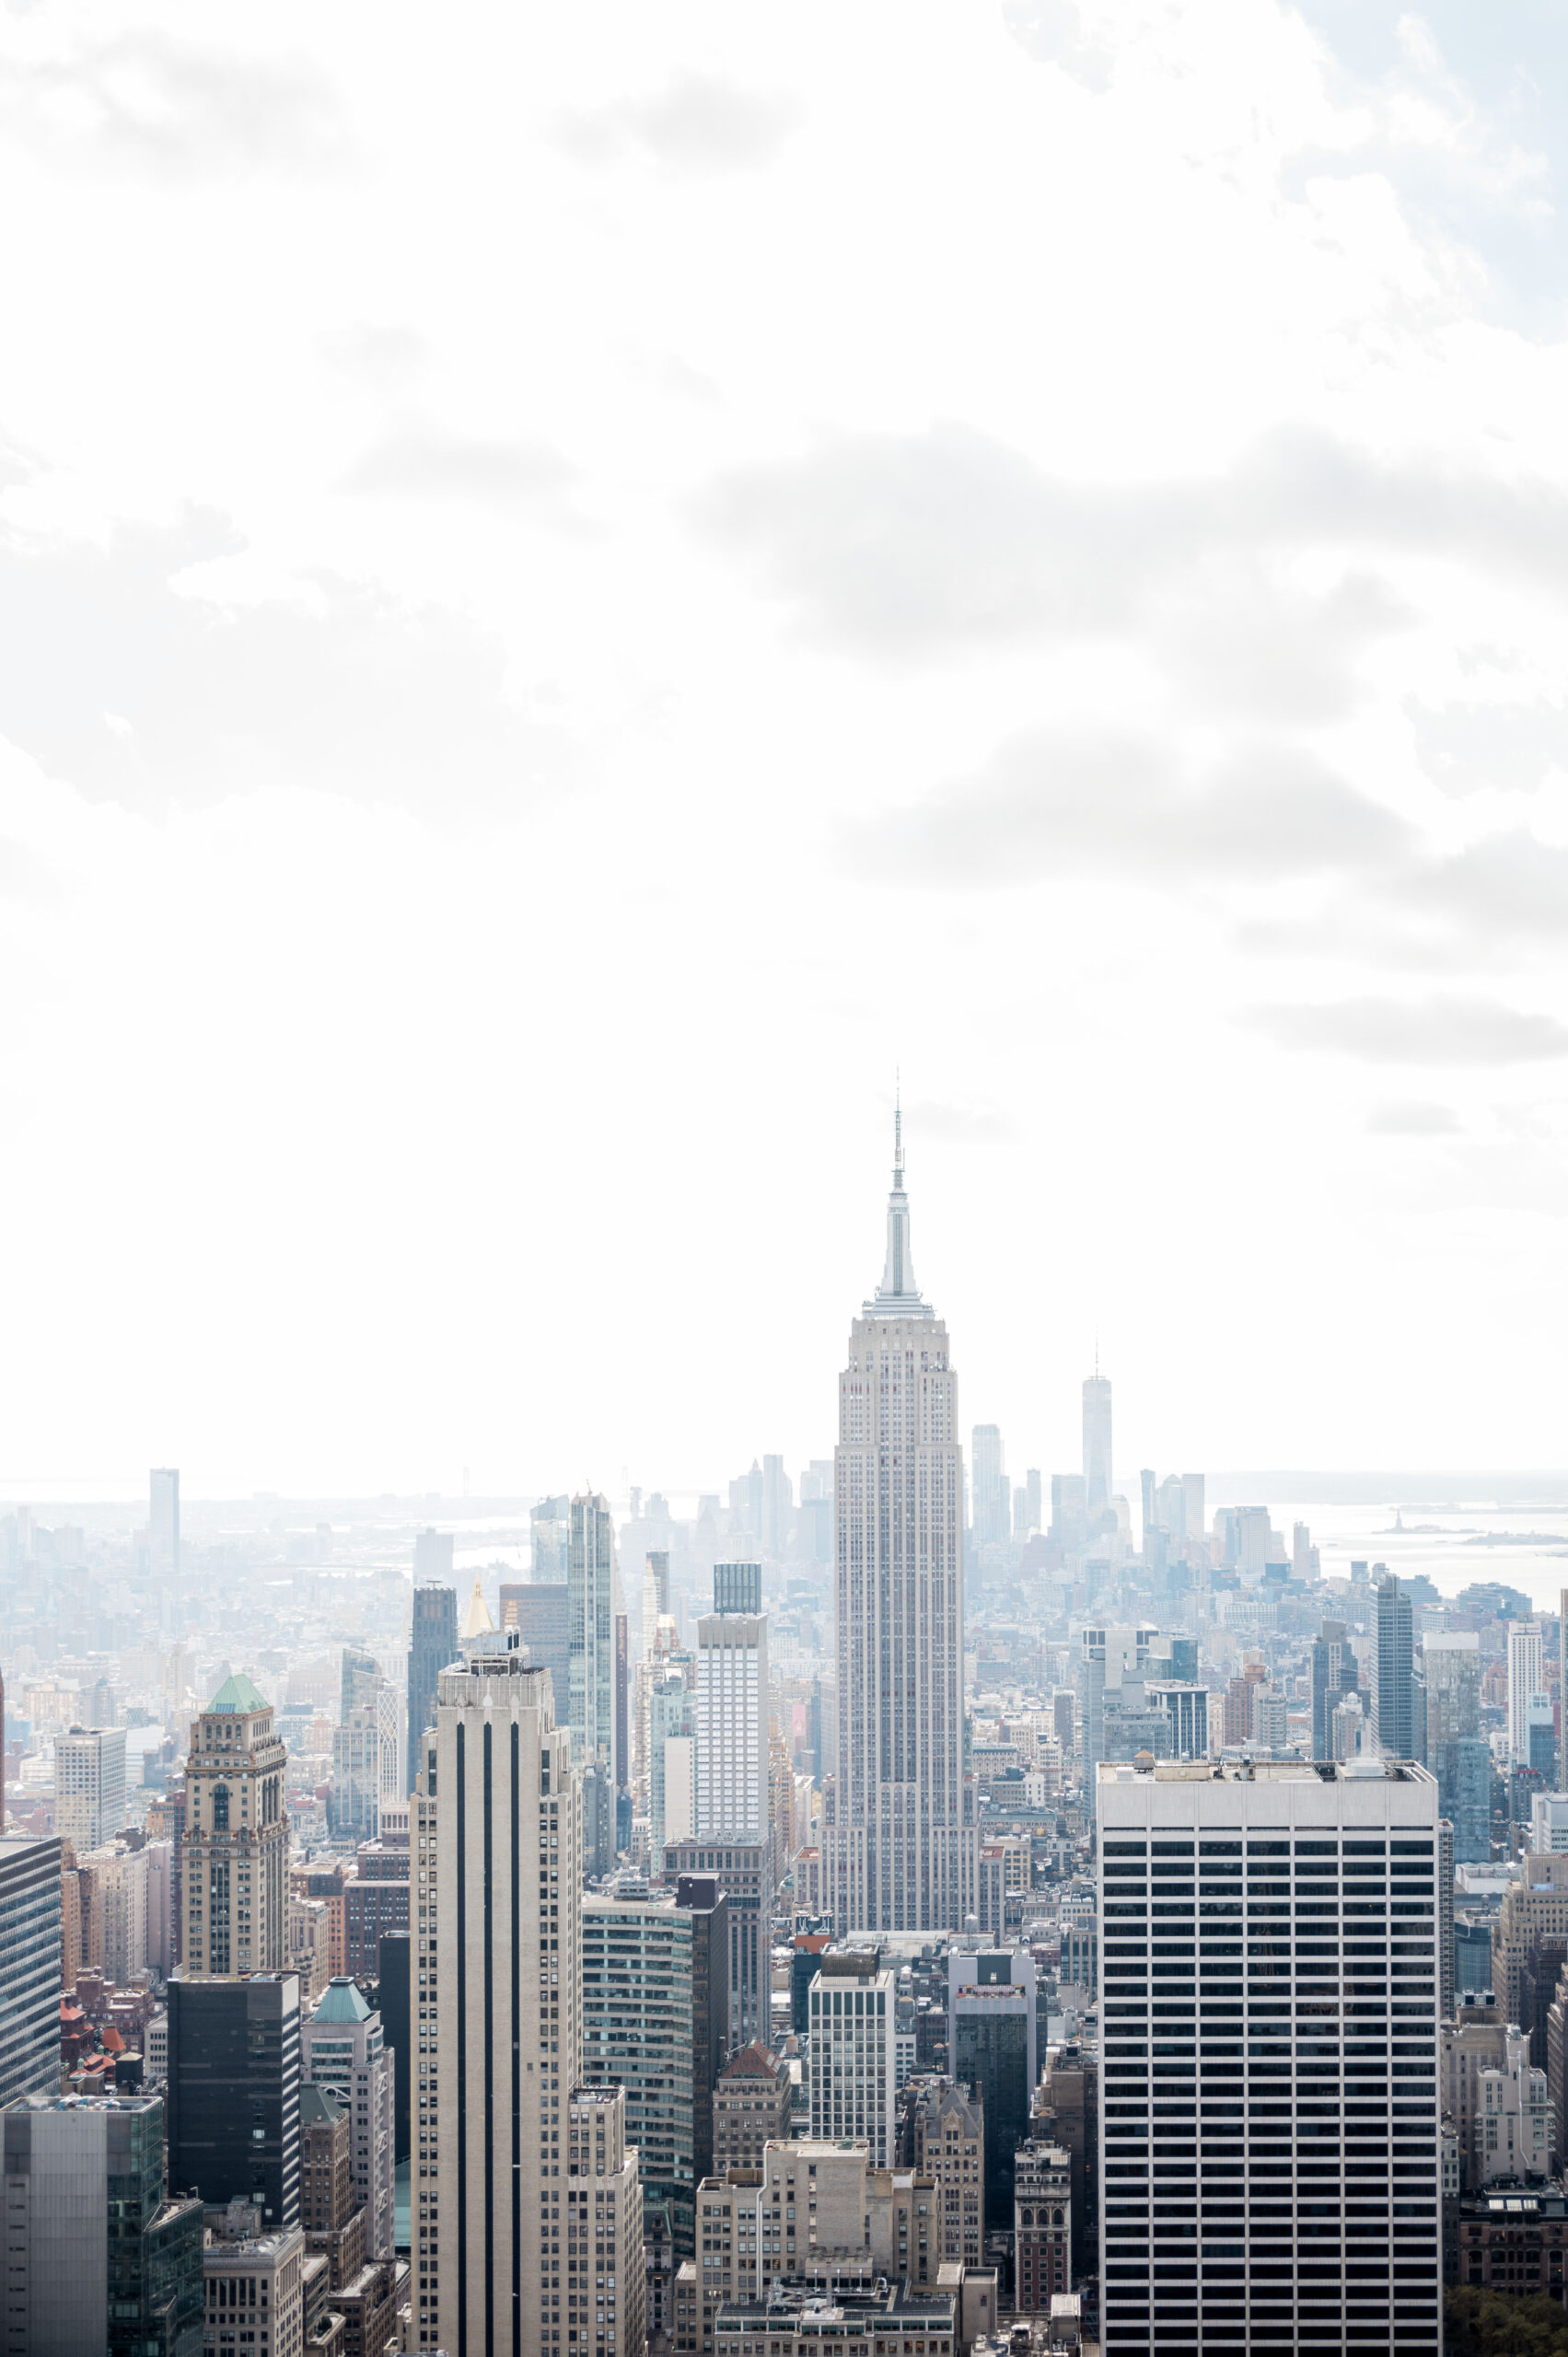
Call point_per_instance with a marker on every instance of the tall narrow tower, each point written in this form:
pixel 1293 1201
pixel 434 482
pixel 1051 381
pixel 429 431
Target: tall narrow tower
pixel 900 1850
pixel 1097 1440
pixel 515 2171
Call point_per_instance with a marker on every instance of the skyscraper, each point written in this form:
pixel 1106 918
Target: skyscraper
pixel 592 1604
pixel 1098 1481
pixel 233 2091
pixel 96 2257
pixel 990 1505
pixel 731 1720
pixel 513 2164
pixel 234 1861
pixel 89 1786
pixel 29 1985
pixel 1526 1679
pixel 1334 1675
pixel 1393 1666
pixel 432 1643
pixel 341 2048
pixel 163 1519
pixel 900 1854
pixel 1289 2137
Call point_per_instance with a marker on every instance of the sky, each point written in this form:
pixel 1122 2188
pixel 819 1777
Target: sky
pixel 583 592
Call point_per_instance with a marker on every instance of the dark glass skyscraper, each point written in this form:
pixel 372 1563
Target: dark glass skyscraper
pixel 434 1644
pixel 29 1984
pixel 233 2091
pixel 1393 1673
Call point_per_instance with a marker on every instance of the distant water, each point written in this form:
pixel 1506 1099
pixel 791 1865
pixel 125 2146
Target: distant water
pixel 1525 1546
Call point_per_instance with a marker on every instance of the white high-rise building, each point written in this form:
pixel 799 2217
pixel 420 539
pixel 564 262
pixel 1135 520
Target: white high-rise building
pixel 1525 1680
pixel 1273 2177
pixel 731 1711
pixel 852 2064
pixel 519 2179
pixel 900 1852
pixel 89 1786
pixel 1096 1442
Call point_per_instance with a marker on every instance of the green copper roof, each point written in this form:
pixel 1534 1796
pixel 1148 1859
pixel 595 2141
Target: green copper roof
pixel 316 2104
pixel 237 1694
pixel 342 2003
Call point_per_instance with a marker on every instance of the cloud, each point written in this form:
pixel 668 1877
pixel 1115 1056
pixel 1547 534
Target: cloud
pixel 1413 1122
pixel 1431 1031
pixel 149 104
pixel 139 694
pixel 388 355
pixel 1053 31
pixel 1046 807
pixel 1465 747
pixel 1507 888
pixel 697 123
pixel 903 546
pixel 427 462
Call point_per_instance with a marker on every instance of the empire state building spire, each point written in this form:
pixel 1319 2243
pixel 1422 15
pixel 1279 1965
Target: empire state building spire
pixel 897 1295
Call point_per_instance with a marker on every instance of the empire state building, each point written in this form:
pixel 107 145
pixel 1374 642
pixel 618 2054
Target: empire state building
pixel 901 1848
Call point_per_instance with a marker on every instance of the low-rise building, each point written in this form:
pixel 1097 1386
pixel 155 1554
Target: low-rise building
pixel 1042 2226
pixel 751 2107
pixel 1508 2239
pixel 255 2287
pixel 884 2320
pixel 942 2137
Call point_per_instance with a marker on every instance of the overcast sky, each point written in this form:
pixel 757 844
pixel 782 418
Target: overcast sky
pixel 579 585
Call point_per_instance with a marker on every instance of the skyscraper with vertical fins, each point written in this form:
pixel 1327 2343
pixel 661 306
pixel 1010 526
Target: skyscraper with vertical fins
pixel 901 1849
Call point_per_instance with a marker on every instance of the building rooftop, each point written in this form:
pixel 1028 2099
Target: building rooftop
pixel 753 2061
pixel 137 2103
pixel 345 2002
pixel 1259 1772
pixel 238 1694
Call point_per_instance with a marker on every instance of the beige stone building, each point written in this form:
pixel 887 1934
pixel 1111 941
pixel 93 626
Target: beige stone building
pixel 235 1852
pixel 944 2139
pixel 525 2198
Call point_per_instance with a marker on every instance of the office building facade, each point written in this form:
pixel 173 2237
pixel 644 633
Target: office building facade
pixel 1098 1478
pixel 1275 2175
pixel 233 2091
pixel 539 1611
pixel 89 1786
pixel 992 2050
pixel 900 1852
pixel 29 1984
pixel 731 1727
pixel 1524 1682
pixel 743 1871
pixel 498 1870
pixel 1393 1674
pixel 432 1643
pixel 851 2062
pixel 1335 1674
pixel 592 1602
pixel 96 2258
pixel 342 2050
pixel 639 2035
pixel 234 1850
